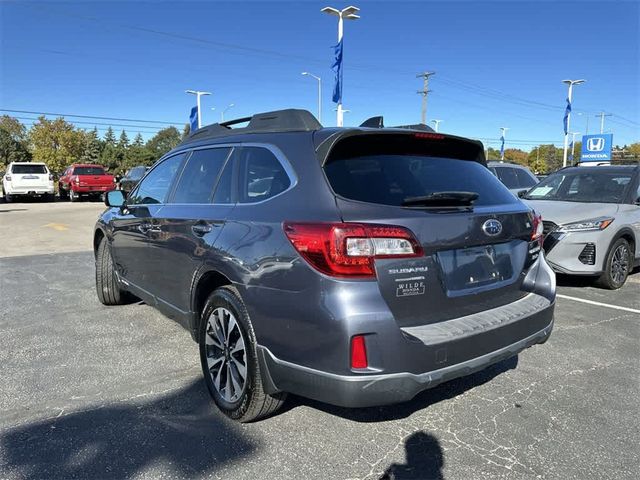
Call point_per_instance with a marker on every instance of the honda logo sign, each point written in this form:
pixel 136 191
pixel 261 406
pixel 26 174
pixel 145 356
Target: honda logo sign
pixel 596 148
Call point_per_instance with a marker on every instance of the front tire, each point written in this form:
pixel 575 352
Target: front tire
pixel 107 287
pixel 229 360
pixel 617 266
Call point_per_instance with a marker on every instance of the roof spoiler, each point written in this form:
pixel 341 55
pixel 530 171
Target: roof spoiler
pixel 378 122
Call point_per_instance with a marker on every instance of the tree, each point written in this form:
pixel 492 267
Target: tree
pixel 92 148
pixel 109 155
pixel 138 141
pixel 56 143
pixel 186 131
pixel 516 155
pixel 14 141
pixel 109 137
pixel 123 142
pixel 163 141
pixel 545 159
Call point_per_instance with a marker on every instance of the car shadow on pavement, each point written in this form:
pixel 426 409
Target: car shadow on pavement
pixel 421 401
pixel 178 434
pixel 424 460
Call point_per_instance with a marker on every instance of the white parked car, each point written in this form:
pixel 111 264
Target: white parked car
pixel 27 179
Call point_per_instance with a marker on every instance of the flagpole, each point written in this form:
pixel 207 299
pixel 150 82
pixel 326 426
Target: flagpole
pixel 567 123
pixel 348 13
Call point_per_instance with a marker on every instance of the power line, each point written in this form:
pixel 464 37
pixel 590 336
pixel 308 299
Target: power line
pixel 77 122
pixel 91 116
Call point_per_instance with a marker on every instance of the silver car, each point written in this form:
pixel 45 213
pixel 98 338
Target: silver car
pixel 517 178
pixel 591 218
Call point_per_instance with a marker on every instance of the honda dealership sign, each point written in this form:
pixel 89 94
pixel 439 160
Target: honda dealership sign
pixel 596 148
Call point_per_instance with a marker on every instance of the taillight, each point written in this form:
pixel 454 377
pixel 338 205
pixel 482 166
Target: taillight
pixel 349 249
pixel 537 229
pixel 358 352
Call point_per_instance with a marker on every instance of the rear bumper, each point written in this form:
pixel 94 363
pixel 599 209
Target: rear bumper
pixel 375 390
pixel 93 188
pixel 36 190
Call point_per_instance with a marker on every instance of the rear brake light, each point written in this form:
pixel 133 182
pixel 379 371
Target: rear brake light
pixel 358 352
pixel 432 136
pixel 350 249
pixel 537 228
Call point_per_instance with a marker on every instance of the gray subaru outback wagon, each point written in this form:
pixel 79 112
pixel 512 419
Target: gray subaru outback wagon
pixel 355 266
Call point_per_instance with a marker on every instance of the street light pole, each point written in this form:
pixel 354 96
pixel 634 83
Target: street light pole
pixel 319 93
pixel 573 143
pixel 225 111
pixel 198 94
pixel 348 13
pixel 436 123
pixel 571 83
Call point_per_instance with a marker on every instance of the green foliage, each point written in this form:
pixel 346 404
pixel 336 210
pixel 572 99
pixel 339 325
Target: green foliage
pixel 545 159
pixel 92 148
pixel 186 131
pixel 109 137
pixel 56 143
pixel 163 141
pixel 138 141
pixel 123 142
pixel 14 141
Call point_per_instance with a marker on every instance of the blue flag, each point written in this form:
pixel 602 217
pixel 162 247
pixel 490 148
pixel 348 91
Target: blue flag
pixel 502 147
pixel 565 120
pixel 337 69
pixel 193 119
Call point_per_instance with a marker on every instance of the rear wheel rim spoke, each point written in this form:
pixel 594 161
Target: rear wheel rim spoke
pixel 226 354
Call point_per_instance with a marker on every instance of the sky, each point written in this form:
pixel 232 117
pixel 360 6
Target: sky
pixel 498 64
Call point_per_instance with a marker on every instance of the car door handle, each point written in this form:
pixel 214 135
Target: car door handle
pixel 148 227
pixel 201 228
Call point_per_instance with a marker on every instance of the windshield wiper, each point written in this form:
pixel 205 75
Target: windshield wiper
pixel 442 199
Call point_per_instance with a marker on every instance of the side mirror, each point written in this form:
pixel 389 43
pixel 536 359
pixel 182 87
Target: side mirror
pixel 522 193
pixel 114 198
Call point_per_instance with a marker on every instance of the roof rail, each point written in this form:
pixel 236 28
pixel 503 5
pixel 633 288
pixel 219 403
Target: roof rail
pixel 289 120
pixel 378 122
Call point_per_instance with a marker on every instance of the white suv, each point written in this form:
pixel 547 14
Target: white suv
pixel 27 179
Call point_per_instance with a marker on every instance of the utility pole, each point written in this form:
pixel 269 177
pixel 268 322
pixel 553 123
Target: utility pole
pixel 424 92
pixel 436 123
pixel 198 94
pixel 567 125
pixel 602 115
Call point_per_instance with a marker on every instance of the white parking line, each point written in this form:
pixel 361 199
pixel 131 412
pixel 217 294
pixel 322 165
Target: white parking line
pixel 591 302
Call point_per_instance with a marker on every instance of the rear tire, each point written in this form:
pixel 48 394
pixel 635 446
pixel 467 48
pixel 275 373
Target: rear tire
pixel 617 265
pixel 227 347
pixel 107 287
pixel 62 193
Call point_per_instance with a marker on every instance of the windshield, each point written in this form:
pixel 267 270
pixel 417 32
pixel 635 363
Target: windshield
pixel 26 169
pixel 88 171
pixel 589 186
pixel 396 179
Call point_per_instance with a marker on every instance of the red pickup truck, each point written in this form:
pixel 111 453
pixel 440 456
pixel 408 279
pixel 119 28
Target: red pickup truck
pixel 85 179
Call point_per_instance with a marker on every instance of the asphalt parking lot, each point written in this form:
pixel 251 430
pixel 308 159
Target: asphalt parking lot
pixel 88 391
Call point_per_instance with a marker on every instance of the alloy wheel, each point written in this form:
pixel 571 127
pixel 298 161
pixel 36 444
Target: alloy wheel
pixel 226 354
pixel 620 264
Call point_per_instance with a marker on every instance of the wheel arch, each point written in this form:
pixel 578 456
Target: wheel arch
pixel 629 236
pixel 98 235
pixel 204 284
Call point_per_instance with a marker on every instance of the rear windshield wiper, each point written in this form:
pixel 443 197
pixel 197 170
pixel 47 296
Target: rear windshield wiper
pixel 442 199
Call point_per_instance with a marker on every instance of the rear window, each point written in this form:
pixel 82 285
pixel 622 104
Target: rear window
pixel 89 171
pixel 26 169
pixel 391 179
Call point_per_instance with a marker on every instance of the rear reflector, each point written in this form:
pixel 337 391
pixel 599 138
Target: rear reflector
pixel 358 352
pixel 350 249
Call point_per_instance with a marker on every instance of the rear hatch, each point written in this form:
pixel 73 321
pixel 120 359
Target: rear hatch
pixel 475 235
pixel 29 176
pixel 93 176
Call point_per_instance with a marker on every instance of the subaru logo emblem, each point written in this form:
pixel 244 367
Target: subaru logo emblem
pixel 492 227
pixel 595 144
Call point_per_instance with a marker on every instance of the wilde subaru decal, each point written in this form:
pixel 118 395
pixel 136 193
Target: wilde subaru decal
pixel 596 148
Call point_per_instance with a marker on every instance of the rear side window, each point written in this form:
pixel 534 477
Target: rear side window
pixel 155 186
pixel 508 176
pixel 88 171
pixel 200 176
pixel 391 179
pixel 29 169
pixel 525 179
pixel 262 176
